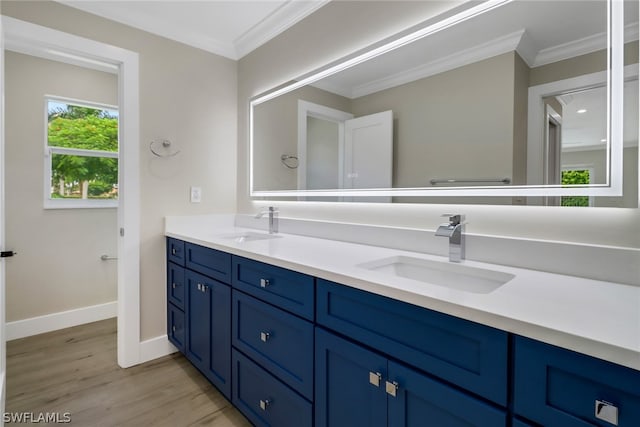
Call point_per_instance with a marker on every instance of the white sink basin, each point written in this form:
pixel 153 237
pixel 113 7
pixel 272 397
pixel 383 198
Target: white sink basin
pixel 249 236
pixel 447 274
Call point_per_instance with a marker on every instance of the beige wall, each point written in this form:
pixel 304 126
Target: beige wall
pixel 277 121
pixel 457 124
pixel 186 95
pixel 59 266
pixel 309 45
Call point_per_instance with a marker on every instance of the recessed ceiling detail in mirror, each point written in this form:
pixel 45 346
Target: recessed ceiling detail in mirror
pixel 519 98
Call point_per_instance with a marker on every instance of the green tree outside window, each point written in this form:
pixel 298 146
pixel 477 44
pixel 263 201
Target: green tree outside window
pixel 574 177
pixel 93 172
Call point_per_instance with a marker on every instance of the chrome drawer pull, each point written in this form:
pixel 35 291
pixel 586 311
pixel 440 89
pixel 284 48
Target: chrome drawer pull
pixel 375 378
pixel 173 328
pixel 173 285
pixel 173 251
pixel 264 283
pixel 264 336
pixel 391 388
pixel 606 411
pixel 264 404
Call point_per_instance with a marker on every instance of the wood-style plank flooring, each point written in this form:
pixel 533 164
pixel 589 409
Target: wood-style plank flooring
pixel 75 371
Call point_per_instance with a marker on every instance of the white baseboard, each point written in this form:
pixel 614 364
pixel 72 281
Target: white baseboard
pixel 64 319
pixel 155 347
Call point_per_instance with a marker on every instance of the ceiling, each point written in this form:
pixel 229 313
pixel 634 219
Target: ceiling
pixel 231 28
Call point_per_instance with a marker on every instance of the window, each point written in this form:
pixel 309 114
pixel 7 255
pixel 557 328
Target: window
pixel 81 161
pixel 571 176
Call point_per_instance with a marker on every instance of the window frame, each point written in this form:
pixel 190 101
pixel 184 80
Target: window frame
pixel 51 203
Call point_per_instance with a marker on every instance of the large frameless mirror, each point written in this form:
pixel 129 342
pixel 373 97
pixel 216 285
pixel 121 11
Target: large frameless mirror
pixel 534 100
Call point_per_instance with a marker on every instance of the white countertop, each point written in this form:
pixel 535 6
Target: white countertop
pixel 601 319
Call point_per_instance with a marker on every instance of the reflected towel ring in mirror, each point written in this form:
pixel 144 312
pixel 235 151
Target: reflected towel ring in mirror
pixel 289 161
pixel 162 148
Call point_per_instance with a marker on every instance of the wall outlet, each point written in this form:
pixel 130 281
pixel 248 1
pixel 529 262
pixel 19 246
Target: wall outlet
pixel 196 194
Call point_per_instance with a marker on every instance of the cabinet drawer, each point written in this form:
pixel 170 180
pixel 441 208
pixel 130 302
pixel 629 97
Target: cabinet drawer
pixel 555 386
pixel 465 353
pixel 282 343
pixel 175 251
pixel 175 285
pixel 175 327
pixel 210 262
pixel 264 400
pixel 289 290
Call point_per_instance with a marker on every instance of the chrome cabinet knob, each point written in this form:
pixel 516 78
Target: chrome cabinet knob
pixel 391 388
pixel 264 336
pixel 375 378
pixel 264 404
pixel 264 283
pixel 606 411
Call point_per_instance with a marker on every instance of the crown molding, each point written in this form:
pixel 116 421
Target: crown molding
pixel 581 47
pixel 498 46
pixel 288 14
pixel 277 22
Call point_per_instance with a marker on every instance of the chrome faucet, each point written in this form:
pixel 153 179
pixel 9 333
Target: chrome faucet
pixel 453 230
pixel 273 218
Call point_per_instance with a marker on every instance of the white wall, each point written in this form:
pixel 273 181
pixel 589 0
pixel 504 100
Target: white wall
pixel 186 95
pixel 58 267
pixel 354 25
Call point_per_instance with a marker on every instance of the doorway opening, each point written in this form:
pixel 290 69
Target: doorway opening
pixel 38 41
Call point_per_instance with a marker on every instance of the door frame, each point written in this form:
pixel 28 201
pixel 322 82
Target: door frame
pixel 36 40
pixel 306 109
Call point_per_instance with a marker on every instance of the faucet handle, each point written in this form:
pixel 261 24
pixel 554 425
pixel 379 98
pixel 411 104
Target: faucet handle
pixel 454 219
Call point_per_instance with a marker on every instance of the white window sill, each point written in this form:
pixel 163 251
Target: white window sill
pixel 79 204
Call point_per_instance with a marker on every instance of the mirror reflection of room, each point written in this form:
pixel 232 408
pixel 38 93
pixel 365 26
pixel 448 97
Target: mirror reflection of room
pixel 520 103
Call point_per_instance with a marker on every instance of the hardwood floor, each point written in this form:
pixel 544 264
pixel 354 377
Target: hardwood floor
pixel 75 371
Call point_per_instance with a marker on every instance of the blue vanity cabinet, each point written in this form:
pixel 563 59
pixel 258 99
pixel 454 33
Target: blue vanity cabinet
pixel 467 354
pixel 264 400
pixel 199 308
pixel 208 340
pixel 176 331
pixel 176 327
pixel 278 341
pixel 273 342
pixel 286 289
pixel 558 387
pixel 175 251
pixel 359 387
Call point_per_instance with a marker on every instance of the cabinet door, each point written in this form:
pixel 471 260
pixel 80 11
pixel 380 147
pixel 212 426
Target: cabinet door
pixel 198 320
pixel 175 285
pixel 175 326
pixel 209 329
pixel 349 384
pixel 416 400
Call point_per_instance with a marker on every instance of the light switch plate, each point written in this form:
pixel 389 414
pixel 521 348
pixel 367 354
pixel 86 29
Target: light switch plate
pixel 196 194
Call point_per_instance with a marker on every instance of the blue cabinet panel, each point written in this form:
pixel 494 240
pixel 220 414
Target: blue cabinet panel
pixel 219 369
pixel 519 423
pixel 280 342
pixel 289 290
pixel 176 327
pixel 465 353
pixel 175 251
pixel 555 386
pixel 264 400
pixel 175 285
pixel 210 262
pixel 421 401
pixel 208 315
pixel 345 395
